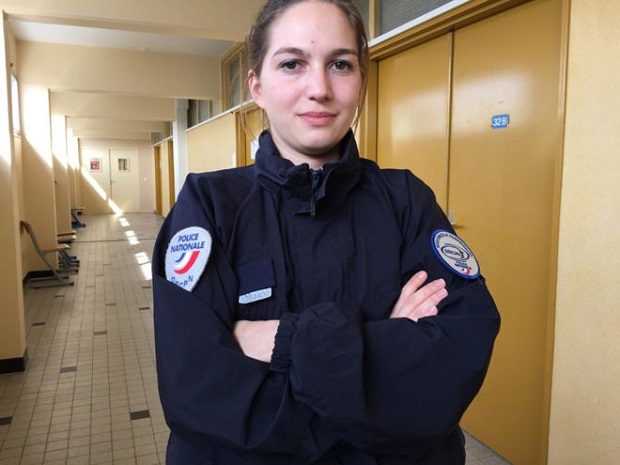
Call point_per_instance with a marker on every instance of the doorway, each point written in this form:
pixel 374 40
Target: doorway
pixel 113 180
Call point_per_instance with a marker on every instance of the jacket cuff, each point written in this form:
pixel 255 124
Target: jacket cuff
pixel 281 357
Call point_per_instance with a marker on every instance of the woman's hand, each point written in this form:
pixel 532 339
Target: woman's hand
pixel 256 338
pixel 418 300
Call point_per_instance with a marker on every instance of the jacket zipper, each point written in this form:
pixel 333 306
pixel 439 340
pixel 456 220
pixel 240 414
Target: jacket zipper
pixel 315 180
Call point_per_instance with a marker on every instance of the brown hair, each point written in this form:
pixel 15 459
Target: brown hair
pixel 258 40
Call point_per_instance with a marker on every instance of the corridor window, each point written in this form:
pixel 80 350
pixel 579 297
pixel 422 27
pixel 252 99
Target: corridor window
pixel 234 73
pixel 15 106
pixel 123 164
pixel 395 13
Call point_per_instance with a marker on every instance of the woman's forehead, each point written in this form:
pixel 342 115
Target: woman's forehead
pixel 308 24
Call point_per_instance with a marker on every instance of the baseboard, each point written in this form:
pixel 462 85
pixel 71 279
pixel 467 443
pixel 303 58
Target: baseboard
pixel 37 274
pixel 13 365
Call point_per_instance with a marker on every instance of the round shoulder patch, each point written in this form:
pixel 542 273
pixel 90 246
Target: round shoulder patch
pixel 187 256
pixel 455 254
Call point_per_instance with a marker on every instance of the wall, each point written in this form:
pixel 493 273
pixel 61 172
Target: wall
pixel 585 404
pixel 112 106
pixel 119 71
pixel 12 333
pixel 62 187
pixel 37 166
pixel 212 145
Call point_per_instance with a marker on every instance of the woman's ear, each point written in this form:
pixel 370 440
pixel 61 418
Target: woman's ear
pixel 255 88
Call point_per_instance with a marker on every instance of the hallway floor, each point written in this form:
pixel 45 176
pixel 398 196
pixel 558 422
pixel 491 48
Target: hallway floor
pixel 89 393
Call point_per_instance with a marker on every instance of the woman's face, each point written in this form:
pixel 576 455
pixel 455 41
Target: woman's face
pixel 310 82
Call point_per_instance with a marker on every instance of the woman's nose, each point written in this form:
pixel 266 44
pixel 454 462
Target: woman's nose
pixel 318 85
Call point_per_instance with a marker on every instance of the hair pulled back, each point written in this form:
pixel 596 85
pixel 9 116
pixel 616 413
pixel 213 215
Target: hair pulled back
pixel 258 40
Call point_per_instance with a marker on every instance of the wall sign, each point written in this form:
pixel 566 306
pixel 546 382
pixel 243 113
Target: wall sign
pixel 500 121
pixel 95 165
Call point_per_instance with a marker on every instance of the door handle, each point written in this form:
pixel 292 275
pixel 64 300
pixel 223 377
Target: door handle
pixel 452 219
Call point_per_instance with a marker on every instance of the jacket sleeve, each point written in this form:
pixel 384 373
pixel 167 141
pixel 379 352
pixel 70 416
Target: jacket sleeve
pixel 210 391
pixel 394 385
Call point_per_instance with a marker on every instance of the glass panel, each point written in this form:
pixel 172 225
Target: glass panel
pixel 234 81
pixel 204 110
pixel 192 113
pixel 395 13
pixel 363 7
pixel 123 164
pixel 15 105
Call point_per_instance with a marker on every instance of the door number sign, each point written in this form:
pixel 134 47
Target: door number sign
pixel 500 121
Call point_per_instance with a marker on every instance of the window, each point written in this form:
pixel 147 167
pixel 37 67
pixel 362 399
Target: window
pixel 395 13
pixel 157 137
pixel 364 8
pixel 199 111
pixel 15 104
pixel 234 71
pixel 234 82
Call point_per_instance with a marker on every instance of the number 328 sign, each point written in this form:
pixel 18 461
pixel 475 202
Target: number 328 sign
pixel 500 121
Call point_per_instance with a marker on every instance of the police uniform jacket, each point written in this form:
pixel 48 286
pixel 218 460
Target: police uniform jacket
pixel 326 252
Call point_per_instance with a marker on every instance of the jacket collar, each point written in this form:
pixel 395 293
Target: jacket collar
pixel 279 175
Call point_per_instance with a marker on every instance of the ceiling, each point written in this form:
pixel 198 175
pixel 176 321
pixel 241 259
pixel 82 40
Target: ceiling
pixel 31 31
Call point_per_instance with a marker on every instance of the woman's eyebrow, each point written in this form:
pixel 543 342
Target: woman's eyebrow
pixel 299 52
pixel 344 51
pixel 288 51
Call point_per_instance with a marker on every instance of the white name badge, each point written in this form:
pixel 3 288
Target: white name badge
pixel 255 296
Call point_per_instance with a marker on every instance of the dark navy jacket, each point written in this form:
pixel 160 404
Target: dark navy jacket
pixel 346 385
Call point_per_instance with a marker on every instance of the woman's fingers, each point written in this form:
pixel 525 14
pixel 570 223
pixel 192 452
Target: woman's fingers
pixel 417 300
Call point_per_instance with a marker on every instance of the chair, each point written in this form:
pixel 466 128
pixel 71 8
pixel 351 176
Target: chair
pixel 58 277
pixel 67 261
pixel 76 222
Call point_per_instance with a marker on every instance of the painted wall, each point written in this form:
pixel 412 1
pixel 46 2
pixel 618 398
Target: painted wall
pixel 585 398
pixel 62 187
pixel 212 145
pixel 87 69
pixel 12 332
pixel 96 105
pixel 37 166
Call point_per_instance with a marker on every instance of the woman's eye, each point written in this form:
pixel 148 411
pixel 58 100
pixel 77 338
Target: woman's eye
pixel 342 65
pixel 289 64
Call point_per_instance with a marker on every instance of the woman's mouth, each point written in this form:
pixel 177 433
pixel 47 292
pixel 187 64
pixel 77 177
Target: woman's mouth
pixel 318 118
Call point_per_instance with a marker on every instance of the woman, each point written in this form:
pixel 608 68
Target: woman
pixel 313 308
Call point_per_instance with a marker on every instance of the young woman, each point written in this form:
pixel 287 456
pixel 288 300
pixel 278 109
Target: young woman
pixel 313 308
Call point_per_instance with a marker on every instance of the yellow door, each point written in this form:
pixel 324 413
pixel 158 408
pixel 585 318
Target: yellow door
pixel 476 115
pixel 170 173
pixel 504 168
pixel 251 124
pixel 157 170
pixel 413 113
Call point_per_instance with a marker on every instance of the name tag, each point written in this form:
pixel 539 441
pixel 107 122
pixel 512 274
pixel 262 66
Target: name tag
pixel 255 296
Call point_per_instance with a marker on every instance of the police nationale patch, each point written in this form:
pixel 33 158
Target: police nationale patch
pixel 187 256
pixel 455 254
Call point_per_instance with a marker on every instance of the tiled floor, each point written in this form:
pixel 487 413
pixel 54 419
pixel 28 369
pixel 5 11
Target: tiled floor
pixel 89 393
